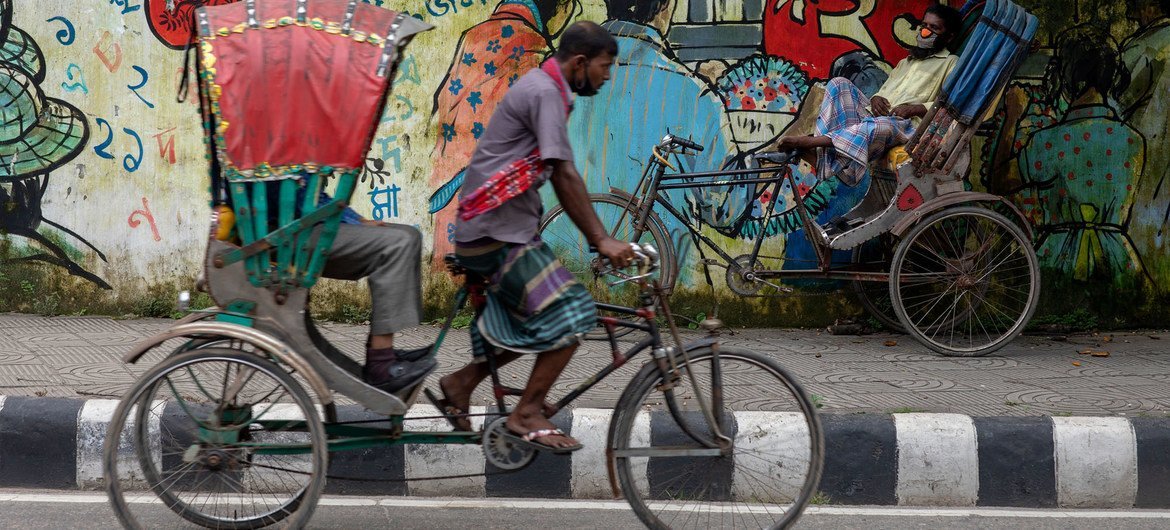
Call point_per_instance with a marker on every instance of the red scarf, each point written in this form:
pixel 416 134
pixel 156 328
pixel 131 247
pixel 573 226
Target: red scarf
pixel 518 176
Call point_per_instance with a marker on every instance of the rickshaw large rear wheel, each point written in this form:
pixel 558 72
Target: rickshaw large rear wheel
pixel 224 439
pixel 965 281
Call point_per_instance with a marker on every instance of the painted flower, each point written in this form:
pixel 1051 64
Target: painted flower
pixel 494 45
pixel 490 68
pixel 448 131
pixel 748 103
pixel 508 31
pixel 766 197
pixel 455 87
pixel 512 80
pixel 477 130
pixel 803 189
pixel 475 99
pixel 469 59
pixel 517 53
pixel 769 93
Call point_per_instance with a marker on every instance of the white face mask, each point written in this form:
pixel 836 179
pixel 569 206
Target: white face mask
pixel 927 39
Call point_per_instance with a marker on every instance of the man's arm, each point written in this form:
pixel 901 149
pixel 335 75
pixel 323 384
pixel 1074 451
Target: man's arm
pixel 570 190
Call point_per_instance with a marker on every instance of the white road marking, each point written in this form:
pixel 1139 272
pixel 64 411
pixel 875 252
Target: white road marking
pixel 938 460
pixel 547 504
pixel 1096 462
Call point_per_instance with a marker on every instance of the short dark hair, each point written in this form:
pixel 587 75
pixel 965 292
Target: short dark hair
pixel 640 11
pixel 588 39
pixel 951 18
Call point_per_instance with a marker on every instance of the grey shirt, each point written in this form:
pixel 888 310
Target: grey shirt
pixel 532 114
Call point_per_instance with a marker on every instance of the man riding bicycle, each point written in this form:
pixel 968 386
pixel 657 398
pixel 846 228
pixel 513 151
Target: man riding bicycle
pixel 533 304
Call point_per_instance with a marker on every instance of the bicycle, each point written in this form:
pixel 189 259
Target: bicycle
pixel 702 428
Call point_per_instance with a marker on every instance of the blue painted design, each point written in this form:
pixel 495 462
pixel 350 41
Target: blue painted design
pixel 611 148
pixel 442 196
pixel 490 68
pixel 494 45
pixel 512 80
pixel 477 130
pixel 469 59
pixel 508 31
pixel 475 99
pixel 517 53
pixel 455 87
pixel 64 36
pixel 449 131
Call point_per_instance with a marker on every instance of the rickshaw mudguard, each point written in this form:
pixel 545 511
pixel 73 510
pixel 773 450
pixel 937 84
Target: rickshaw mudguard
pixel 938 203
pixel 279 350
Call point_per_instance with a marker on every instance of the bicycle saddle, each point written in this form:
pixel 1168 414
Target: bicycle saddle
pixel 778 158
pixel 451 261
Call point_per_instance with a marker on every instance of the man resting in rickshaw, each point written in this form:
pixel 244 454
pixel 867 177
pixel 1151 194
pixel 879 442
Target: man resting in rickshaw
pixel 858 128
pixel 533 304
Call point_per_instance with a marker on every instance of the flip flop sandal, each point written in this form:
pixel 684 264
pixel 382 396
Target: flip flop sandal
pixel 529 440
pixel 454 414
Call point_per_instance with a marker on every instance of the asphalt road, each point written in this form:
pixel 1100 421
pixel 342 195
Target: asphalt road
pixel 56 510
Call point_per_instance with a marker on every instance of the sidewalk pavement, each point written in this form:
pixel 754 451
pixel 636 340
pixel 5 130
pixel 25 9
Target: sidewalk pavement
pixel 1036 424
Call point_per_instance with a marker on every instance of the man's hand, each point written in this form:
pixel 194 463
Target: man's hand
pixel 619 253
pixel 910 110
pixel 879 105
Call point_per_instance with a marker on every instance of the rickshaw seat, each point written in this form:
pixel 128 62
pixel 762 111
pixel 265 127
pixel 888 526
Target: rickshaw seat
pixel 291 93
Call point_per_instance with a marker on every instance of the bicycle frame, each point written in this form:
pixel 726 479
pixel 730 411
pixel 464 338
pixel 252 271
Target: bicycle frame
pixel 352 435
pixel 654 180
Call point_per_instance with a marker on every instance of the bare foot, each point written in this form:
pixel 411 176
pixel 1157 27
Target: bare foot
pixel 458 402
pixel 522 424
pixel 458 396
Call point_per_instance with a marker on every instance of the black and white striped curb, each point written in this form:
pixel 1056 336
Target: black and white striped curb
pixel 915 459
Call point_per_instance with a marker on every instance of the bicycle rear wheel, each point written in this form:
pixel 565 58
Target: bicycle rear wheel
pixel 617 216
pixel 675 474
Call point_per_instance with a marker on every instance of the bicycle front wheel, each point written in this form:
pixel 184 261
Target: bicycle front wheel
pixel 676 472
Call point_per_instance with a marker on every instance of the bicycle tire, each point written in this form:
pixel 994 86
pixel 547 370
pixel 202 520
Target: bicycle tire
pixel 638 419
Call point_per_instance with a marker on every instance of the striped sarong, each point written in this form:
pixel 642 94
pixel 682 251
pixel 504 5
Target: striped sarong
pixel 533 305
pixel 857 134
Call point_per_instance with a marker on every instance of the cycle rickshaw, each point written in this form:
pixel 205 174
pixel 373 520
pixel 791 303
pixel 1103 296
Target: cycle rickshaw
pixel 954 268
pixel 233 425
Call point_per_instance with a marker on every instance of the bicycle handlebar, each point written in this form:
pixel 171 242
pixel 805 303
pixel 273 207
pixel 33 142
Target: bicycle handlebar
pixel 645 259
pixel 683 142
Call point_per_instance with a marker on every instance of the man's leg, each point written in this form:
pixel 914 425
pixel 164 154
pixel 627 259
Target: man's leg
pixel 843 106
pixel 528 416
pixel 388 256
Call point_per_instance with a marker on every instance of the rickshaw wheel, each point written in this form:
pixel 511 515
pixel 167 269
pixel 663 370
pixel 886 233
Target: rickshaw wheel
pixel 328 410
pixel 193 431
pixel 965 281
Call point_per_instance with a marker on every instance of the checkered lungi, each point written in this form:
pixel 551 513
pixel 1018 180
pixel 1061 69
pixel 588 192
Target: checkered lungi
pixel 533 305
pixel 857 134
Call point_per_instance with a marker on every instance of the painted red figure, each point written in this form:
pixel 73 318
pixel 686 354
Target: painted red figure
pixel 790 25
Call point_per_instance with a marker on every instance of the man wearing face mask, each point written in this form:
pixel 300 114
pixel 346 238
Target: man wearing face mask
pixel 533 304
pixel 858 128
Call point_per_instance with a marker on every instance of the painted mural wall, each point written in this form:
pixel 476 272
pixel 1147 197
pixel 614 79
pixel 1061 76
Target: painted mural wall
pixel 103 176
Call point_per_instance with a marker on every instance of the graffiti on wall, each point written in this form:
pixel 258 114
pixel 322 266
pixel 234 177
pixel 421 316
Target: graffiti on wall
pixel 489 57
pixel 39 135
pixel 95 101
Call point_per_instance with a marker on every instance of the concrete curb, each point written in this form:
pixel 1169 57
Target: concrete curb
pixel 912 459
